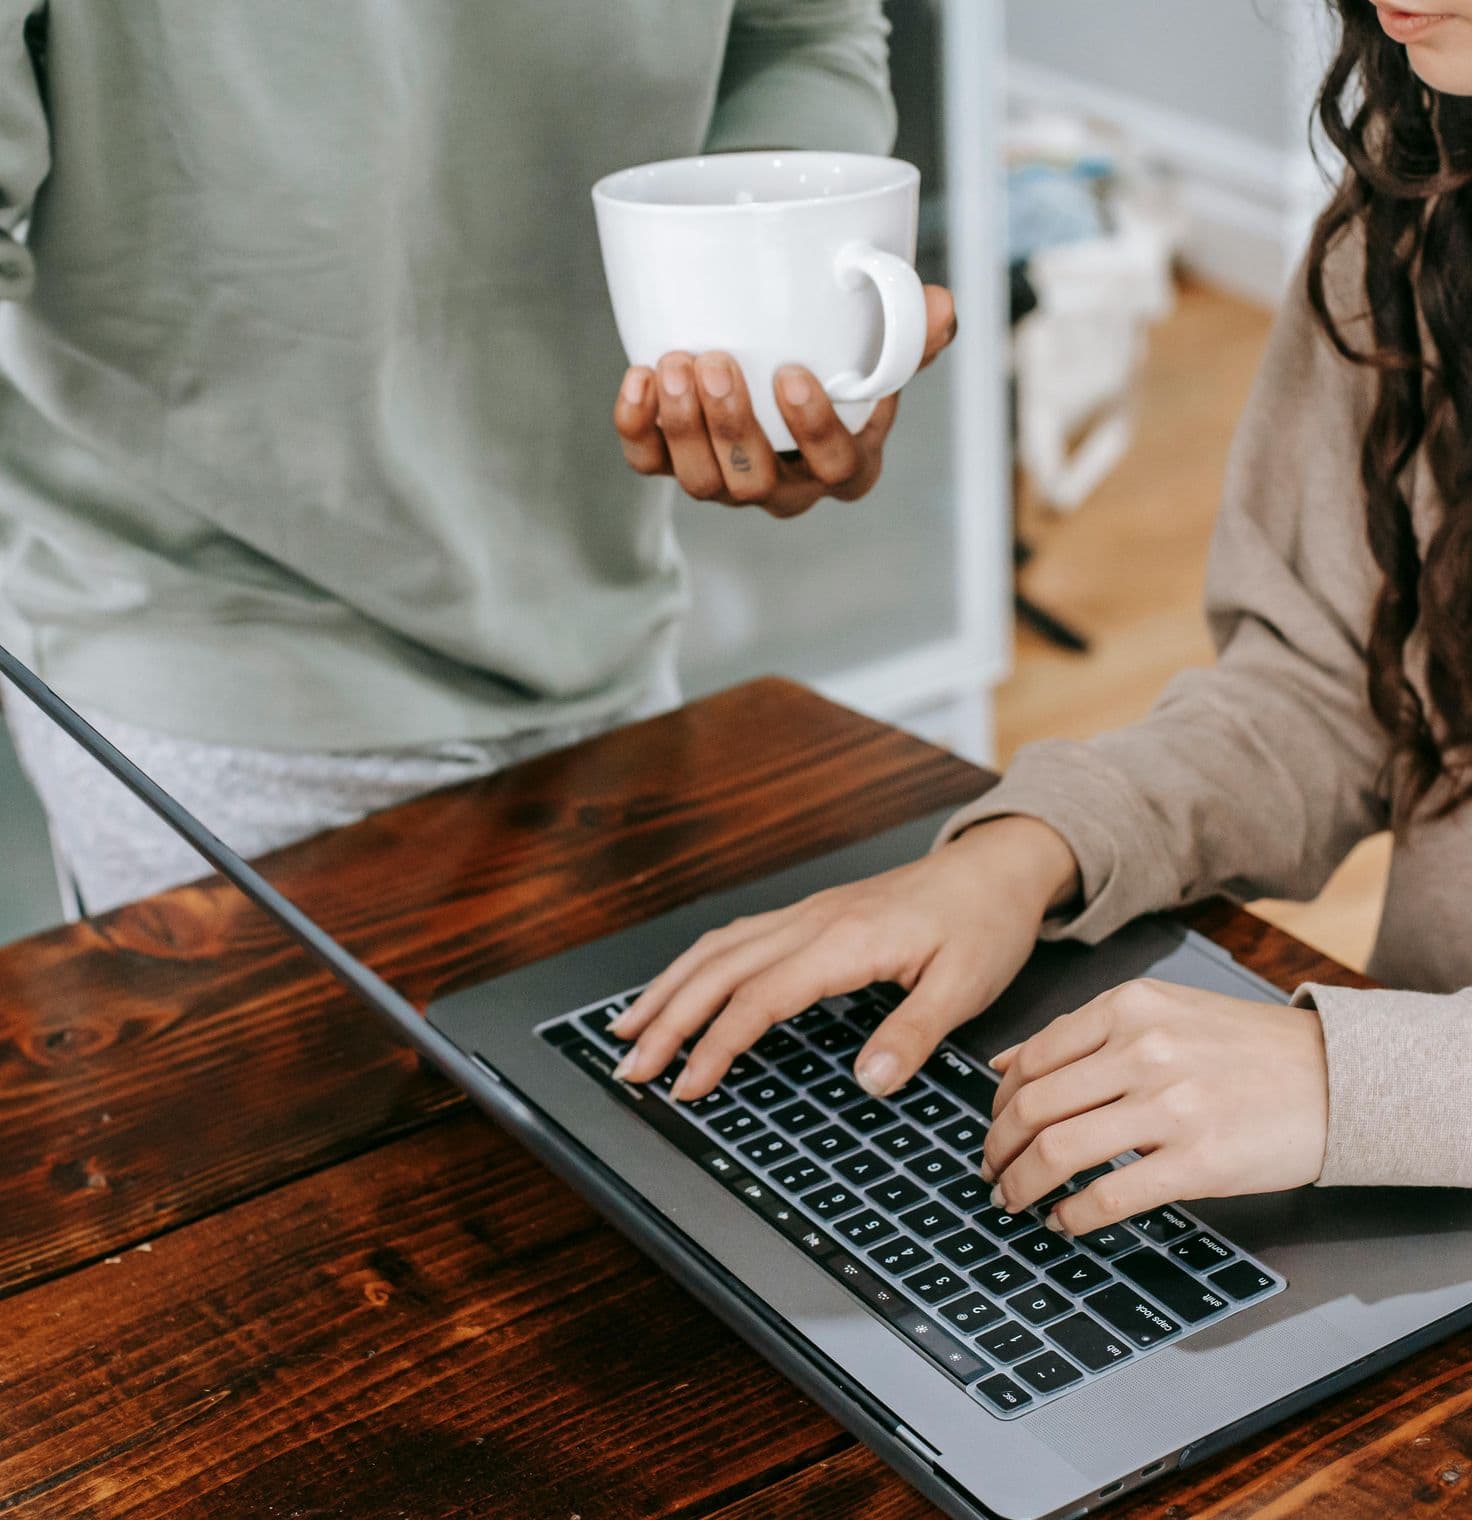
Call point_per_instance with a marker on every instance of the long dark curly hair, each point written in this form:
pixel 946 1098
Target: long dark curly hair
pixel 1407 193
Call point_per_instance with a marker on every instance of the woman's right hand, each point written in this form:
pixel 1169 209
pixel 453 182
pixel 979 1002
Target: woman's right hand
pixel 953 929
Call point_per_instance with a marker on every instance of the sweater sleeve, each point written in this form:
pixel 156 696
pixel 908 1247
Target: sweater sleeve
pixel 1398 1061
pixel 25 152
pixel 805 74
pixel 1254 776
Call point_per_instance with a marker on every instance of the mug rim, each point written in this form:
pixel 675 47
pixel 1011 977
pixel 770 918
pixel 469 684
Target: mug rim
pixel 606 190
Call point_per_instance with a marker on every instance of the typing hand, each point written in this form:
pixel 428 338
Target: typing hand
pixel 953 929
pixel 1220 1096
pixel 692 418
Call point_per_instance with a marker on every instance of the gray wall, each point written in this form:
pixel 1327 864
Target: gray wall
pixel 1227 62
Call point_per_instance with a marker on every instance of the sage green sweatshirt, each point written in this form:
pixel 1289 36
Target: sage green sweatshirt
pixel 306 361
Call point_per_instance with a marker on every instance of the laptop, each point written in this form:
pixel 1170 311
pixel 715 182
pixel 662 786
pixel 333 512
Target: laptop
pixel 1001 1369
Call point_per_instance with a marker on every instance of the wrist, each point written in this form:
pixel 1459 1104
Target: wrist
pixel 1033 858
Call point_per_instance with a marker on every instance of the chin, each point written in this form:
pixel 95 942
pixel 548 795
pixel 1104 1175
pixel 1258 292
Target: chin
pixel 1446 70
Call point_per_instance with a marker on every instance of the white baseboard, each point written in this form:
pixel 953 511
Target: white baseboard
pixel 1249 205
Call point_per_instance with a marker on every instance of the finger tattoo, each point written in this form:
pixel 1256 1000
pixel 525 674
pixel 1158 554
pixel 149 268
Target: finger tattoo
pixel 740 460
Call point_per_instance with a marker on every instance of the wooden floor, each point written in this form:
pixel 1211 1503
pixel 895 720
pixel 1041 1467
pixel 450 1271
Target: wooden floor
pixel 1128 570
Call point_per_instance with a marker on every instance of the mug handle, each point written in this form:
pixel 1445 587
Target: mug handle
pixel 902 297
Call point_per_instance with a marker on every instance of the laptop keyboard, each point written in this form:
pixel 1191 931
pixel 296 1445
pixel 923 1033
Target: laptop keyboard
pixel 885 1194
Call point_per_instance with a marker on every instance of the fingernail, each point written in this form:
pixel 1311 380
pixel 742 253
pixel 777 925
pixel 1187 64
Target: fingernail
pixel 680 1086
pixel 636 386
pixel 715 376
pixel 624 1067
pixel 672 377
pixel 1053 1222
pixel 876 1073
pixel 987 1174
pixel 998 1202
pixel 796 389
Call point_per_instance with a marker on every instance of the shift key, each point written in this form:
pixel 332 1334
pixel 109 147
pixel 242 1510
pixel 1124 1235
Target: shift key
pixel 1181 1293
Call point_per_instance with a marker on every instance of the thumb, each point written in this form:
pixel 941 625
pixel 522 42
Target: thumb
pixel 940 1002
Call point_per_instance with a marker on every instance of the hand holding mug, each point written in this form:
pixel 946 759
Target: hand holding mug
pixel 692 417
pixel 791 276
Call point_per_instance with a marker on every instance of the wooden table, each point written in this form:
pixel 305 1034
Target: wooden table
pixel 255 1263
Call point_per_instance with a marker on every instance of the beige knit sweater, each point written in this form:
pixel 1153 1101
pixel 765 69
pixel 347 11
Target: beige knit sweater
pixel 1256 776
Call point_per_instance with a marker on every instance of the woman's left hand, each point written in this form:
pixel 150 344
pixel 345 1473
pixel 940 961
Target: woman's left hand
pixel 1219 1096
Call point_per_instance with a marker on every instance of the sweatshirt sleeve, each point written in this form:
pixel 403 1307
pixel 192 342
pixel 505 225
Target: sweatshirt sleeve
pixel 805 74
pixel 25 152
pixel 1398 1064
pixel 1254 776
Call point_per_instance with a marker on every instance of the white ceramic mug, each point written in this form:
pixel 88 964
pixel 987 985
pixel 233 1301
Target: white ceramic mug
pixel 776 258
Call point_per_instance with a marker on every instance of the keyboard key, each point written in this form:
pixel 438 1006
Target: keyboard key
pixel 866 1016
pixel 837 1040
pixel 934 1167
pixel 832 1201
pixel 865 1228
pixel 1242 1280
pixel 963 1078
pixel 1008 1341
pixel 902 1141
pixel 1048 1372
pixel 836 1091
pixel 881 1295
pixel 758 1194
pixel 1037 1305
pixel 596 1023
pixel 966 1193
pixel 1171 1285
pixel 1002 1393
pixel 1079 1274
pixel 712 1103
pixel 964 1134
pixel 798 1175
pixel 1123 1308
pixel 667 1078
pixel 1203 1252
pixel 804 1067
pixel 1088 1342
pixel 776 1045
pixel 767 1151
pixel 929 1109
pixel 870 1115
pixel 797 1118
pixel 810 1018
pixel 1003 1226
pixel 720 1165
pixel 899 1256
pixel 1091 1174
pixel 966 1248
pixel 559 1035
pixel 936 1283
pixel 1042 1247
pixel 939 1346
pixel 735 1123
pixel 1109 1241
pixel 831 1143
pixel 927 1220
pixel 766 1092
pixel 1162 1225
pixel 862 1168
pixel 744 1068
pixel 1003 1275
pixel 896 1193
pixel 972 1312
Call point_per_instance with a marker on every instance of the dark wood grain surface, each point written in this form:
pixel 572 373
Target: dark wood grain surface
pixel 255 1263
